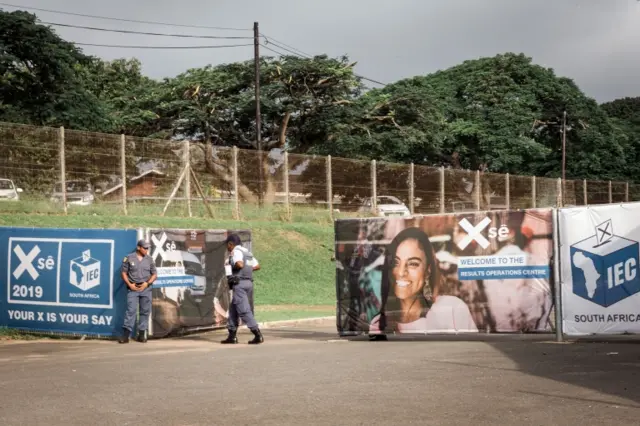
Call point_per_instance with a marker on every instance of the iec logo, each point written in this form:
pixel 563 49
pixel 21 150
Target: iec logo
pixel 605 267
pixel 85 271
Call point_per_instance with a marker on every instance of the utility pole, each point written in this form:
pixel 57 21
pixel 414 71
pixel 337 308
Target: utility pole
pixel 564 149
pixel 256 59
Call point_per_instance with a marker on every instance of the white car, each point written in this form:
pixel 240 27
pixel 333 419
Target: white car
pixel 386 205
pixel 8 190
pixel 79 193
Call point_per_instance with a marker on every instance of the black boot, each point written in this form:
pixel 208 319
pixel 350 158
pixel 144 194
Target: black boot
pixel 231 338
pixel 125 336
pixel 142 336
pixel 258 339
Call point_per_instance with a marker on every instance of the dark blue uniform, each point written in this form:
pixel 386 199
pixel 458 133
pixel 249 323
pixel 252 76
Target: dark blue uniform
pixel 241 283
pixel 138 271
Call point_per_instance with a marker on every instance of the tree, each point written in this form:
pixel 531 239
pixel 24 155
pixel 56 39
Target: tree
pixel 39 82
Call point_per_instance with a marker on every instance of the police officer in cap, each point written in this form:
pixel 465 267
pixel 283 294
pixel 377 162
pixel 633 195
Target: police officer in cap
pixel 138 272
pixel 240 279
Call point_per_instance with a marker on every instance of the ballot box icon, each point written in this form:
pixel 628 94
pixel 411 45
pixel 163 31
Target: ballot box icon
pixel 85 271
pixel 605 266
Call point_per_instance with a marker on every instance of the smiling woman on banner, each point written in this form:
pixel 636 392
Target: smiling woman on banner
pixel 410 274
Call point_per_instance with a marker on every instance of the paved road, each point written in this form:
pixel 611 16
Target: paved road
pixel 301 376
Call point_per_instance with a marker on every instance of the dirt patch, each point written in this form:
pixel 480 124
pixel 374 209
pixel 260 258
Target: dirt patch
pixel 307 308
pixel 296 238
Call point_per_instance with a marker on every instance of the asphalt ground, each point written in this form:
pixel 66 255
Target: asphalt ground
pixel 306 375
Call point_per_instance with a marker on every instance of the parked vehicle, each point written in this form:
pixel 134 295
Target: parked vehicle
pixel 386 205
pixel 8 190
pixel 79 192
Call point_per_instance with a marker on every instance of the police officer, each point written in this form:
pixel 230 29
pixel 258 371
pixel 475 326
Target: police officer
pixel 138 272
pixel 240 280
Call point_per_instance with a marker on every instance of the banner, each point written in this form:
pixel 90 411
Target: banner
pixel 456 273
pixel 191 291
pixel 600 281
pixel 64 280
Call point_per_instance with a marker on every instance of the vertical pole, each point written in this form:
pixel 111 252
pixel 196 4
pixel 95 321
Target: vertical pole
pixel 478 190
pixel 507 191
pixel 187 177
pixel 123 171
pixel 411 189
pixel 374 188
pixel 560 201
pixel 236 196
pixel 442 201
pixel 256 60
pixel 626 192
pixel 557 276
pixel 285 172
pixel 63 168
pixel 564 148
pixel 534 196
pixel 329 187
pixel 584 191
pixel 610 194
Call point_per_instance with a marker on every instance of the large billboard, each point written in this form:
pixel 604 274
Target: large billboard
pixel 600 281
pixel 191 291
pixel 455 273
pixel 64 280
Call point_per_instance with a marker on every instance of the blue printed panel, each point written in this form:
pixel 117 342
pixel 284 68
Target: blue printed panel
pixel 175 281
pixel 63 280
pixel 504 273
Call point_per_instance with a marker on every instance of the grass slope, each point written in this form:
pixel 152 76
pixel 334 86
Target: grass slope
pixel 297 279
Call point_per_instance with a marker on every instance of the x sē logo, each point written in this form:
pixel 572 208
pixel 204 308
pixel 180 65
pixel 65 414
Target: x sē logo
pixel 474 233
pixel 26 262
pixel 159 250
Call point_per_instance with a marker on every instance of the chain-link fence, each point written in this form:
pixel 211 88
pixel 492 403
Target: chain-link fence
pixel 47 170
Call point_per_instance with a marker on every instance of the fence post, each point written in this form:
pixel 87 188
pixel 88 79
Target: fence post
pixel 374 187
pixel 442 201
pixel 329 188
pixel 285 171
pixel 626 192
pixel 63 168
pixel 585 193
pixel 507 191
pixel 610 194
pixel 533 192
pixel 478 191
pixel 187 178
pixel 560 201
pixel 411 188
pixel 236 196
pixel 123 171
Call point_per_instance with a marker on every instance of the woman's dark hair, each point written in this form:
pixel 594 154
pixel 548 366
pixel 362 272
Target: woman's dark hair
pixel 390 307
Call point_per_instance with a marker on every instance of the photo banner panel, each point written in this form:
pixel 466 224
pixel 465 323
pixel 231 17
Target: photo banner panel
pixel 64 280
pixel 191 291
pixel 457 273
pixel 600 281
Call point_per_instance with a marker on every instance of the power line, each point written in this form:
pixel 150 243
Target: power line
pixel 308 57
pixel 142 32
pixel 161 47
pixel 268 39
pixel 124 19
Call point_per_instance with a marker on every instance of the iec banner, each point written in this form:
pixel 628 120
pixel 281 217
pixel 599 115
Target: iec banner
pixel 600 282
pixel 191 291
pixel 64 280
pixel 456 273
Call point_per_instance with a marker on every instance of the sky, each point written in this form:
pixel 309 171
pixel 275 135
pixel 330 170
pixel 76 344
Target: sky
pixel 594 42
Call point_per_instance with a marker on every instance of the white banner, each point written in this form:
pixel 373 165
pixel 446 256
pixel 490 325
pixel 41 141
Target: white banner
pixel 600 256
